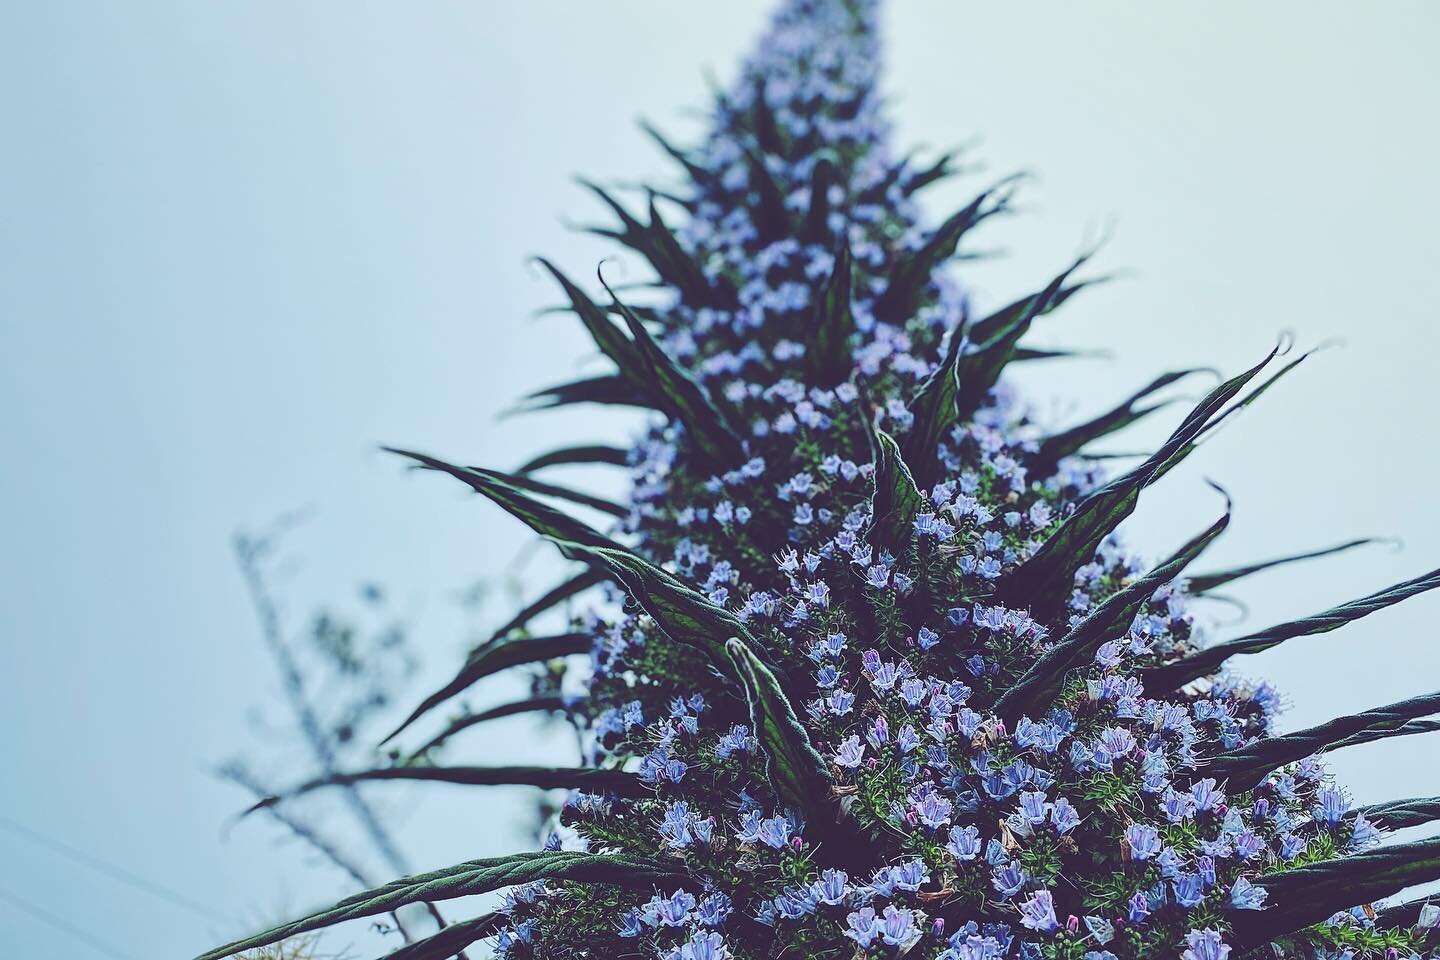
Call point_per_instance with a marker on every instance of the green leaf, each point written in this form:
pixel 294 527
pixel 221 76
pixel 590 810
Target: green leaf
pixel 698 174
pixel 607 336
pixel 582 581
pixel 490 658
pixel 684 399
pixel 453 939
pixel 896 500
pixel 986 328
pixel 611 389
pixel 769 214
pixel 1246 767
pixel 1043 582
pixel 1054 449
pixel 591 453
pixel 1172 676
pixel 912 274
pixel 796 770
pixel 1400 814
pixel 1043 682
pixel 549 704
pixel 943 167
pixel 827 354
pixel 1304 896
pixel 521 482
pixel 1409 729
pixel 685 615
pixel 509 494
pixel 464 880
pixel 619 782
pixel 935 411
pixel 815 228
pixel 1205 582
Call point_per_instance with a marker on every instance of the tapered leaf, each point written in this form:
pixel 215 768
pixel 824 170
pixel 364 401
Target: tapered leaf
pixel 453 939
pixel 490 658
pixel 1399 814
pixel 544 520
pixel 911 275
pixel 1043 582
pixel 762 121
pixel 464 880
pixel 1205 582
pixel 607 336
pixel 1174 675
pixel 697 173
pixel 684 399
pixel 935 411
pixel 1023 354
pixel 896 500
pixel 815 228
pixel 529 485
pixel 769 214
pixel 1042 683
pixel 987 327
pixel 1370 736
pixel 657 244
pixel 548 704
pixel 612 389
pixel 942 167
pixel 797 771
pixel 1054 449
pixel 827 354
pixel 619 782
pixel 590 453
pixel 685 615
pixel 584 580
pixel 1246 767
pixel 1311 894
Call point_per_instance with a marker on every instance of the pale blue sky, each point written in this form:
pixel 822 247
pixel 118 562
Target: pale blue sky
pixel 243 243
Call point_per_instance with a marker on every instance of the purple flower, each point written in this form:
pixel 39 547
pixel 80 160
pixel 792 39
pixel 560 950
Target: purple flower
pixel 851 752
pixel 863 927
pixel 1142 840
pixel 1245 895
pixel 1038 913
pixel 1205 945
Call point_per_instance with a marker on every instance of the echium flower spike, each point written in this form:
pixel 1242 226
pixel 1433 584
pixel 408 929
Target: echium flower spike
pixel 885 682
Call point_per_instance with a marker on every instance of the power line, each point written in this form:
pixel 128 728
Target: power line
pixel 63 925
pixel 114 871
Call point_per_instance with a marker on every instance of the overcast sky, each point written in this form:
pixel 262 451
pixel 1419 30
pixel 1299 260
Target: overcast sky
pixel 243 243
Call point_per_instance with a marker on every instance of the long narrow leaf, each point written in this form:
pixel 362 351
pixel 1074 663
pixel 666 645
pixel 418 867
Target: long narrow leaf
pixel 607 336
pixel 827 355
pixel 589 453
pixel 464 880
pixel 1409 729
pixel 549 704
pixel 896 499
pixel 1043 681
pixel 1174 675
pixel 453 939
pixel 1311 894
pixel 611 389
pixel 1246 767
pixel 1205 582
pixel 1399 814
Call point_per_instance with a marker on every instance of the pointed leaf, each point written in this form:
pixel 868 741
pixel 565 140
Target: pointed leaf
pixel 590 453
pixel 1056 448
pixel 490 658
pixel 1043 682
pixel 896 500
pixel 452 940
pixel 697 173
pixel 797 771
pixel 608 337
pixel 1304 896
pixel 463 880
pixel 1172 676
pixel 581 581
pixel 529 485
pixel 827 354
pixel 1246 767
pixel 684 399
pixel 1045 579
pixel 544 520
pixel 619 782
pixel 611 389
pixel 1409 729
pixel 548 704
pixel 816 228
pixel 1205 582
pixel 1400 814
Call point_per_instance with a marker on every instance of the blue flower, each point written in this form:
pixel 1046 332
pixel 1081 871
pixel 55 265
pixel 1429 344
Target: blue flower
pixel 1038 913
pixel 1245 895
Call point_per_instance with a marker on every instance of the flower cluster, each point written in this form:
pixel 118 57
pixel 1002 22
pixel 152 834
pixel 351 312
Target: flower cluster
pixel 880 680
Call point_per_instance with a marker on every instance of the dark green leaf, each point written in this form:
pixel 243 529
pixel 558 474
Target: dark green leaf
pixel 684 399
pixel 827 354
pixel 797 771
pixel 1042 683
pixel 1311 894
pixel 592 453
pixel 619 782
pixel 1172 676
pixel 521 482
pixel 815 228
pixel 492 657
pixel 896 500
pixel 697 173
pixel 611 389
pixel 1044 581
pixel 529 705
pixel 464 880
pixel 453 939
pixel 580 582
pixel 607 336
pixel 1068 442
pixel 505 491
pixel 1370 736
pixel 1246 767
pixel 1399 814
pixel 1205 582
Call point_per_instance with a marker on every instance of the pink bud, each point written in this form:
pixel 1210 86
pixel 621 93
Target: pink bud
pixel 937 929
pixel 1073 924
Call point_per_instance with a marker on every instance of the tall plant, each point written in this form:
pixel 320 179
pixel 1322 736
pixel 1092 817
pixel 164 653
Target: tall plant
pixel 884 682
